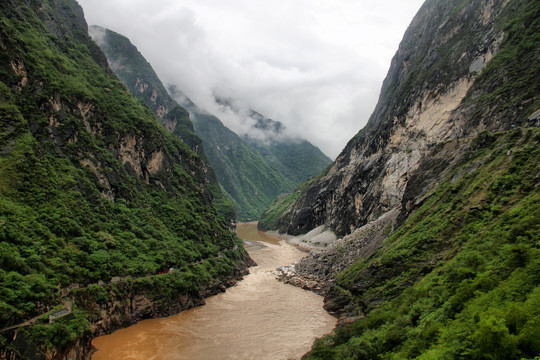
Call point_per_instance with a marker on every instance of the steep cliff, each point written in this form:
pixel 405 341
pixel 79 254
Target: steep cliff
pixel 102 210
pixel 455 74
pixel 437 199
pixel 140 78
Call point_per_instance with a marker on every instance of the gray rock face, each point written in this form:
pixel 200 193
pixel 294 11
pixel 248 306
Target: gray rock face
pixel 428 98
pixel 317 272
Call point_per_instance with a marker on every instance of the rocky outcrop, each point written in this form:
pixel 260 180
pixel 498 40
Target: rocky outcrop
pixel 435 89
pixel 126 307
pixel 317 271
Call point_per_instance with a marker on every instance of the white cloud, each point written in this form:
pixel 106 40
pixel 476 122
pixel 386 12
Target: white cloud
pixel 315 65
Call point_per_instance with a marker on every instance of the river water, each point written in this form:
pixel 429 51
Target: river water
pixel 259 318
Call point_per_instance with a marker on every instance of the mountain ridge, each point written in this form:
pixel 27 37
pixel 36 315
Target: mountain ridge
pixel 139 77
pixel 251 172
pixel 98 201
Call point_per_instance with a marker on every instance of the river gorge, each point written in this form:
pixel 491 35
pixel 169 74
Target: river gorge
pixel 259 318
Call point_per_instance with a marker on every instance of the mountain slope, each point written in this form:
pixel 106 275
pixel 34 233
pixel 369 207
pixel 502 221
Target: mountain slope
pixel 96 197
pixel 437 198
pixel 252 172
pixel 459 278
pixel 250 194
pixel 449 80
pixel 139 77
pixel 296 158
pixel 246 176
pixel 255 171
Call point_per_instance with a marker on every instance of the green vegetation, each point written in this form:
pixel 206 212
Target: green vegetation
pixel 92 186
pixel 272 215
pixel 61 334
pixel 297 159
pixel 252 174
pixel 140 78
pixel 461 277
pixel 513 85
pixel 244 174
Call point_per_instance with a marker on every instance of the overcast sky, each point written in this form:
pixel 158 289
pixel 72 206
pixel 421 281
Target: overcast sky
pixel 315 65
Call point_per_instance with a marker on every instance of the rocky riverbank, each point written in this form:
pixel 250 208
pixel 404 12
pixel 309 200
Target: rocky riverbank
pixel 317 271
pixel 127 308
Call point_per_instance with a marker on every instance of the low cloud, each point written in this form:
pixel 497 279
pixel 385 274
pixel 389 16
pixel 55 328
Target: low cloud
pixel 98 34
pixel 316 66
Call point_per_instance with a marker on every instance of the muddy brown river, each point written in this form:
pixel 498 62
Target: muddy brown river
pixel 259 318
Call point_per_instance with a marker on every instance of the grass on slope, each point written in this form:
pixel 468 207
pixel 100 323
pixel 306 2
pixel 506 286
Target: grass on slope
pixel 275 211
pixel 461 277
pixel 57 227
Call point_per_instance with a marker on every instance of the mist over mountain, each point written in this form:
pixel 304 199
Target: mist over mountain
pixel 298 159
pixel 316 66
pixel 252 169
